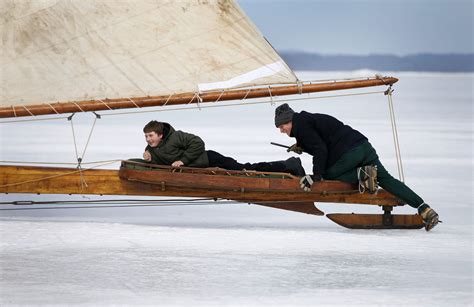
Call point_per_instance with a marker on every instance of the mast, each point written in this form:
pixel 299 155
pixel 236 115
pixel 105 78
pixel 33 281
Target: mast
pixel 187 98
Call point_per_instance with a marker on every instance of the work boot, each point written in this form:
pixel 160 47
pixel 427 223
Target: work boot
pixel 367 176
pixel 430 218
pixel 293 166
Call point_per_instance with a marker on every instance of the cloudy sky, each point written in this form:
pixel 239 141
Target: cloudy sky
pixel 398 27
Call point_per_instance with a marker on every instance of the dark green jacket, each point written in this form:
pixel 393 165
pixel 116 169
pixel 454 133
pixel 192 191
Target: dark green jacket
pixel 179 145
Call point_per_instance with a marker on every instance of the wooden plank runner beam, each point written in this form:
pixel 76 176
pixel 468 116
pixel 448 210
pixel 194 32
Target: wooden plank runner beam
pixel 52 180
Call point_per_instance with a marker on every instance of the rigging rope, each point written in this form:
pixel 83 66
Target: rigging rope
pixel 80 158
pixel 98 207
pixel 32 120
pixel 61 163
pixel 396 142
pixel 122 203
pixel 96 201
pixel 128 203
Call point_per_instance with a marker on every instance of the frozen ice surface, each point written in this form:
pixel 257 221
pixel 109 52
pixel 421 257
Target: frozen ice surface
pixel 102 263
pixel 224 255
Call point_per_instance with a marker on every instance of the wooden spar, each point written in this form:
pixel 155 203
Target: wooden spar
pixel 186 98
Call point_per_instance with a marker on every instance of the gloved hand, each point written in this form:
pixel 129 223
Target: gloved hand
pixel 295 148
pixel 306 182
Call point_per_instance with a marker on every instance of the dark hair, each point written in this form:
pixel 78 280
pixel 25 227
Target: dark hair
pixel 155 126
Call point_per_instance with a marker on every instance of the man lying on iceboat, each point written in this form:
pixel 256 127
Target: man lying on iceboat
pixel 167 146
pixel 342 153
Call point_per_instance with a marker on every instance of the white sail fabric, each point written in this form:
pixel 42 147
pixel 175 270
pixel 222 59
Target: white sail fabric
pixel 73 50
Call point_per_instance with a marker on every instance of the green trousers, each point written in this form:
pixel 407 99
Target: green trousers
pixel 345 169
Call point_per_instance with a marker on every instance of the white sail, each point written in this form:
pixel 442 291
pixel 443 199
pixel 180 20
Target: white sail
pixel 69 50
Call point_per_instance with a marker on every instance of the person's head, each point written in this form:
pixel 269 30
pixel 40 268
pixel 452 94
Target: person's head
pixel 153 133
pixel 283 118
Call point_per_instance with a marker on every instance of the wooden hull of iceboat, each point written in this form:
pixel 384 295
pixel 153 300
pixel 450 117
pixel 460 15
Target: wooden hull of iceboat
pixel 247 186
pixel 277 190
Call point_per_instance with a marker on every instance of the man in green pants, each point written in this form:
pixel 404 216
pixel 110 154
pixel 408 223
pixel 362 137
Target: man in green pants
pixel 342 153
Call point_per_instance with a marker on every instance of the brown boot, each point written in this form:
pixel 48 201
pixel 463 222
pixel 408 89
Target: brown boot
pixel 367 176
pixel 430 218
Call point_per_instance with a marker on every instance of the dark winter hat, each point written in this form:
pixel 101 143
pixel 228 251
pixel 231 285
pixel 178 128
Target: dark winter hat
pixel 283 114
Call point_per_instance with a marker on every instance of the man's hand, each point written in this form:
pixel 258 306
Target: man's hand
pixel 295 148
pixel 178 163
pixel 147 156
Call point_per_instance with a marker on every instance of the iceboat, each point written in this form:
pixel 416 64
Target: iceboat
pixel 64 57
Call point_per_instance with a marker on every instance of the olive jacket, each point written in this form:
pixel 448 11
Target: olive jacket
pixel 179 145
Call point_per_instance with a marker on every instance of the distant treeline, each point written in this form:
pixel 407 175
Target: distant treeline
pixel 416 62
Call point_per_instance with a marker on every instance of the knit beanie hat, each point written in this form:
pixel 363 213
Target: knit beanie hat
pixel 283 114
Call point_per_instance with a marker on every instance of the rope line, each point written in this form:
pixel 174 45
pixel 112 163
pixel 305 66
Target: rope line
pixel 222 93
pixel 31 120
pixel 97 207
pixel 74 139
pixel 108 105
pixel 138 107
pixel 75 103
pixel 245 97
pixel 396 142
pixel 60 163
pixel 169 97
pixel 124 203
pixel 271 96
pixel 24 107
pixel 88 139
pixel 53 108
pixel 97 201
